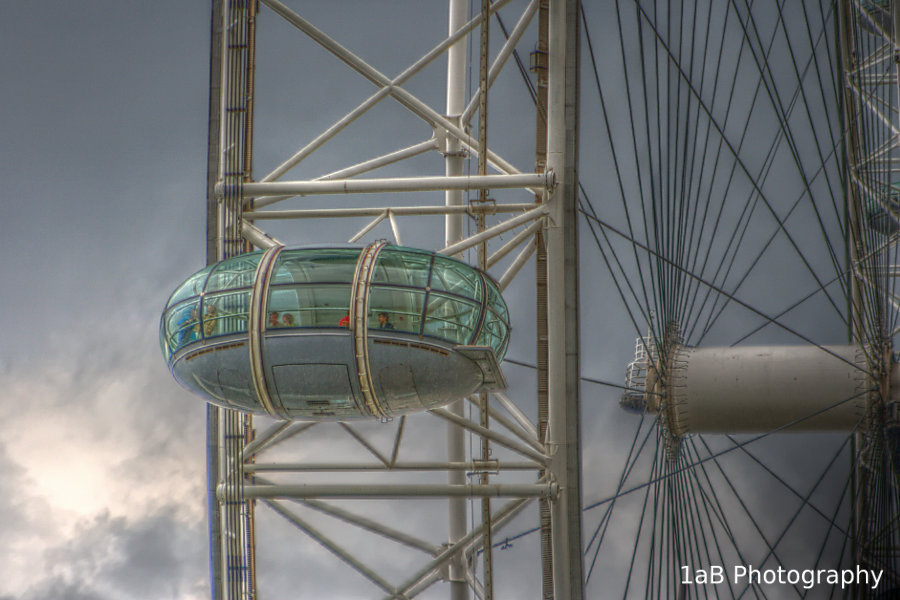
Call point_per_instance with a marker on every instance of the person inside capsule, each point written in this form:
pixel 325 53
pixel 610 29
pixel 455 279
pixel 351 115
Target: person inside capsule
pixel 187 326
pixel 436 303
pixel 210 320
pixel 384 321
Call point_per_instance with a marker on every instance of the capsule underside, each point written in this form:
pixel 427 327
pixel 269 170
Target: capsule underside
pixel 310 375
pixel 333 341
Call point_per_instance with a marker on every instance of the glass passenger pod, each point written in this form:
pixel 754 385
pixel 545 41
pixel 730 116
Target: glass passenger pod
pixel 278 333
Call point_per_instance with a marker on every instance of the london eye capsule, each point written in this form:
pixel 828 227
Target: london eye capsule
pixel 336 333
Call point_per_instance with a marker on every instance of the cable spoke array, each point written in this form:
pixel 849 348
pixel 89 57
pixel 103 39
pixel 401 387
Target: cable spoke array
pixel 736 187
pixel 723 218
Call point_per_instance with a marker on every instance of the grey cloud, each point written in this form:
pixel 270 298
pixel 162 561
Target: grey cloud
pixel 104 173
pixel 112 557
pixel 13 505
pixel 59 589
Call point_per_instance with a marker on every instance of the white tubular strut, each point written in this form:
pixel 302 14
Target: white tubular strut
pixel 359 325
pixel 258 301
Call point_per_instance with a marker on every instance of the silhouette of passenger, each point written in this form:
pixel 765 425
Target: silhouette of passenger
pixel 273 320
pixel 345 321
pixel 384 321
pixel 210 319
pixel 187 326
pixel 287 320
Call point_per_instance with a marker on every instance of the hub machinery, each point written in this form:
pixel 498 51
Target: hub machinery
pixel 756 389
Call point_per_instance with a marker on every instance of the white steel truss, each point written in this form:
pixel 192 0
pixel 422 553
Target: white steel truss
pixel 275 468
pixel 869 35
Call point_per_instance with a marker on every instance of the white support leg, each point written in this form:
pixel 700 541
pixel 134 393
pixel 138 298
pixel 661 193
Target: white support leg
pixel 454 166
pixel 562 277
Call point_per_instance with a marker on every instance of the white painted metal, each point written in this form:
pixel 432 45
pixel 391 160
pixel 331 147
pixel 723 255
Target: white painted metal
pixel 470 539
pixel 517 414
pixel 363 167
pixel 502 57
pixel 365 443
pixel 538 457
pixel 454 165
pixel 755 389
pixel 865 76
pixel 277 434
pixel 257 324
pixel 391 491
pixel 395 229
pixel 300 467
pixel 372 525
pixel 516 266
pixel 258 237
pixel 497 229
pixel 372 224
pixel 562 284
pixel 359 325
pixel 419 108
pixel 396 184
pixel 526 235
pixel 400 211
pixel 382 161
pixel 342 553
pixel 456 35
pixel 458 147
pixel 232 550
pixel 526 434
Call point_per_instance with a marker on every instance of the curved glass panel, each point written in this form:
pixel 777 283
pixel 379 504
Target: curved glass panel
pixel 182 325
pixel 402 267
pixel 308 305
pixel 192 287
pixel 456 277
pixel 495 301
pixel 224 314
pixel 234 273
pixel 311 288
pixel 395 309
pixel 316 265
pixel 493 333
pixel 451 319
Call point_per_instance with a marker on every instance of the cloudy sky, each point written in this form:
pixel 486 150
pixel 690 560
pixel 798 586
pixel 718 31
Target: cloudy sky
pixel 104 159
pixel 103 142
pixel 103 146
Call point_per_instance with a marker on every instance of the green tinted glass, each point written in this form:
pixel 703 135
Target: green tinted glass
pixel 234 273
pixel 495 301
pixel 402 267
pixel 191 287
pixel 225 314
pixel 182 325
pixel 315 265
pixel 393 309
pixel 493 333
pixel 456 277
pixel 450 318
pixel 307 305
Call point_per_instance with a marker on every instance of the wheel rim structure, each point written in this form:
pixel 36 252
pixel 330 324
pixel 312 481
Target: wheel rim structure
pixel 743 150
pixel 736 188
